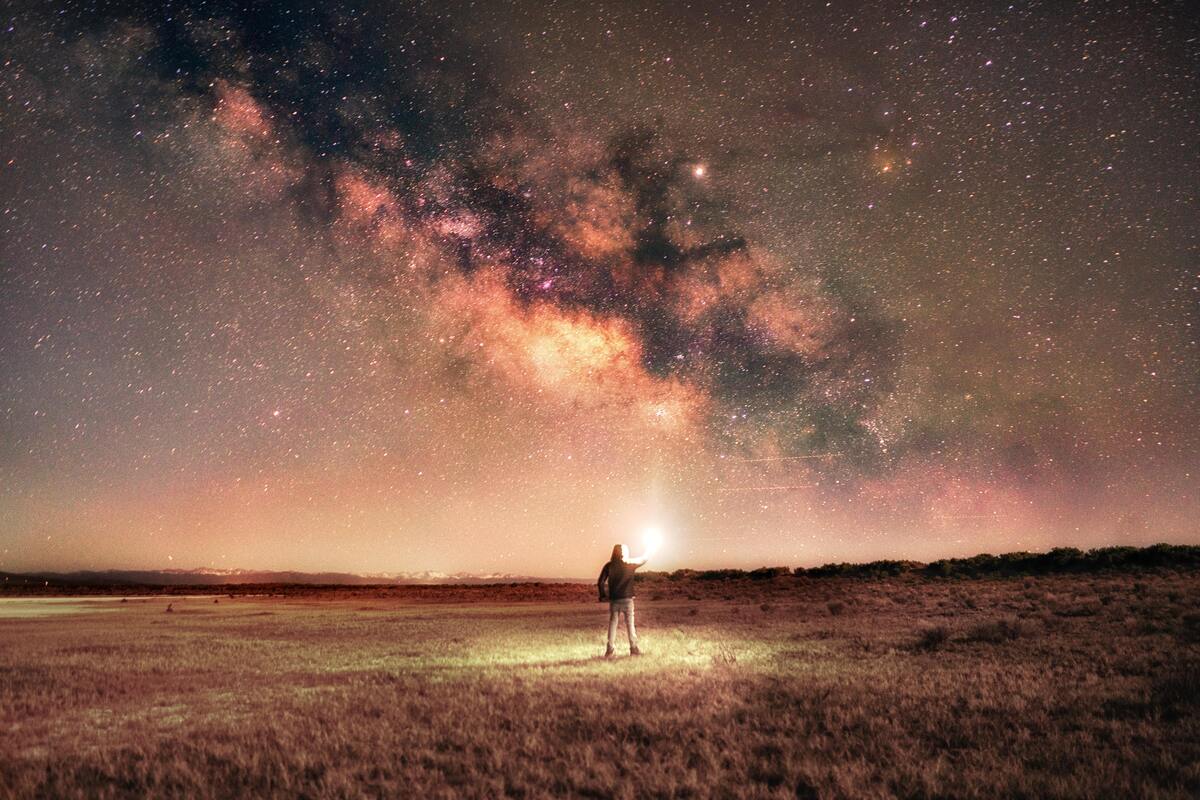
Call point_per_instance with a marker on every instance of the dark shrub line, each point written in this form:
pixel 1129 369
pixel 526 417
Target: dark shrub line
pixel 1058 560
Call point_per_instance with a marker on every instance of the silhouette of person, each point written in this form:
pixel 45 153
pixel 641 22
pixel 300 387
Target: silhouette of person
pixel 616 586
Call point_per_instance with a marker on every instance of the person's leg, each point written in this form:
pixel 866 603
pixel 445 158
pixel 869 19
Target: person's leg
pixel 613 611
pixel 630 628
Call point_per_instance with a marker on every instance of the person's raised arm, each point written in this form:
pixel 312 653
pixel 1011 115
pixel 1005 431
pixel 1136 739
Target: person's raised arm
pixel 600 584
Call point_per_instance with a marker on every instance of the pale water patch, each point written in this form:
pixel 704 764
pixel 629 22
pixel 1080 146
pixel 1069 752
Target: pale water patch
pixel 31 607
pixel 28 607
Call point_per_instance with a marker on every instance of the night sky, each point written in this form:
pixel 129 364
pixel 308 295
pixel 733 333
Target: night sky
pixel 489 287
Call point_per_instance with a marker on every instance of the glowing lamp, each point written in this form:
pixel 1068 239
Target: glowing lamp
pixel 652 539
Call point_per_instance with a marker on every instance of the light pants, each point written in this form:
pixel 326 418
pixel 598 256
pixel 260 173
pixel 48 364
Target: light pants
pixel 615 609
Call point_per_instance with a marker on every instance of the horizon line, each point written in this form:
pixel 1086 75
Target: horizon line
pixel 530 578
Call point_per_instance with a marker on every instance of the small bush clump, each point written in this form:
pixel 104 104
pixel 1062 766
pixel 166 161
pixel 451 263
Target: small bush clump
pixel 1177 693
pixel 996 631
pixel 932 637
pixel 1189 630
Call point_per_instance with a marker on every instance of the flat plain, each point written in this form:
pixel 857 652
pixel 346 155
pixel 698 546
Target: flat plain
pixel 1050 687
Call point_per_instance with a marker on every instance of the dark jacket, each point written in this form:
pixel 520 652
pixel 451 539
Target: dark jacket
pixel 619 577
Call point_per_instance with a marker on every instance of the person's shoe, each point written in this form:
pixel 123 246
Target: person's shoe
pixel 633 651
pixel 609 653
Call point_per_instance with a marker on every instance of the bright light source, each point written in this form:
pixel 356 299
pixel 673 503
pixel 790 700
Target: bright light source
pixel 652 539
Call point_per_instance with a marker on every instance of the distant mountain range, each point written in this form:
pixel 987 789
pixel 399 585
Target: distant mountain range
pixel 222 577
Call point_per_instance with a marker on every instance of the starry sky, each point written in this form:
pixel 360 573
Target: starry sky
pixel 487 287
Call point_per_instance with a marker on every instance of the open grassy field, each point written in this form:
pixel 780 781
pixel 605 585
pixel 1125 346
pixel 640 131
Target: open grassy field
pixel 1064 686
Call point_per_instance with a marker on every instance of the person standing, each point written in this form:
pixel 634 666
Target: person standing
pixel 616 586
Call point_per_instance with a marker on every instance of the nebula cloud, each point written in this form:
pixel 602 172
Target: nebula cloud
pixel 599 270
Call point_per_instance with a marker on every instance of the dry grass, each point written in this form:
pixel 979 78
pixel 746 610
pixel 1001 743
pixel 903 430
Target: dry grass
pixel 1075 686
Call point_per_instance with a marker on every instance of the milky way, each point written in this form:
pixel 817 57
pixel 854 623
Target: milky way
pixel 487 287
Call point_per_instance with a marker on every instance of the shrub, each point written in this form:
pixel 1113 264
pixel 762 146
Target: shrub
pixel 1086 609
pixel 996 631
pixel 1190 630
pixel 720 574
pixel 932 637
pixel 768 573
pixel 873 569
pixel 1177 694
